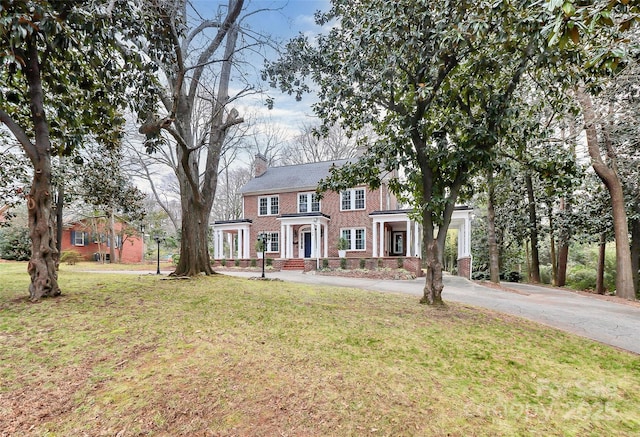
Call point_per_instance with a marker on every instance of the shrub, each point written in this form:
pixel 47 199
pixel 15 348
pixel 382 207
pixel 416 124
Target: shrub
pixel 236 263
pixel 71 257
pixel 175 259
pixel 15 243
pixel 223 262
pixel 269 261
pixel 254 262
pixel 400 262
pixel 480 275
pixel 325 263
pixel 343 263
pixel 580 277
pixel 363 263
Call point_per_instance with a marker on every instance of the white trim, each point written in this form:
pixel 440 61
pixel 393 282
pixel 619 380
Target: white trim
pixel 269 205
pixel 310 195
pixel 352 199
pixel 352 239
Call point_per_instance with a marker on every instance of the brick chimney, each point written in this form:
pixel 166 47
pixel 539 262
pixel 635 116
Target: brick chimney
pixel 259 165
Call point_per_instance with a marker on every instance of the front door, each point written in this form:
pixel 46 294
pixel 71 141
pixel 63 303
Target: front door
pixel 398 243
pixel 307 244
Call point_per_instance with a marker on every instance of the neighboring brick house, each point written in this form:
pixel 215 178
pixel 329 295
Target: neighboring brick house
pixel 302 231
pixel 93 243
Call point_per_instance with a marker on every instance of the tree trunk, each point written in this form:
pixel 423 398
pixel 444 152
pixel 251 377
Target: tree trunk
pixel 433 282
pixel 552 243
pixel 494 258
pixel 112 237
pixel 635 253
pixel 624 276
pixel 43 266
pixel 563 249
pixel 534 272
pixel 602 249
pixel 194 244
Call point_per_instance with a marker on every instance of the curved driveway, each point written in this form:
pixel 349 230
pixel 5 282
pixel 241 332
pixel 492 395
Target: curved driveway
pixel 611 323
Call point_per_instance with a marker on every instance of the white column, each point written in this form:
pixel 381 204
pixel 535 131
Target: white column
pixel 408 238
pixel 313 240
pixel 381 241
pixel 247 242
pixel 464 239
pixel 374 240
pixel 240 245
pixel 230 244
pixel 284 240
pixel 291 248
pixel 218 250
pixel 416 239
pixel 317 252
pixel 326 241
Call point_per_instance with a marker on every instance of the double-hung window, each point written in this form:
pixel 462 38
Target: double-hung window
pixel 272 243
pixel 352 199
pixel 268 205
pixel 308 202
pixel 79 238
pixel 355 237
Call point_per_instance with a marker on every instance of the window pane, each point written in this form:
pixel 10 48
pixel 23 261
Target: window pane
pixel 275 242
pixel 359 239
pixel 263 206
pixel 346 200
pixel 359 195
pixel 274 206
pixel 315 203
pixel 302 200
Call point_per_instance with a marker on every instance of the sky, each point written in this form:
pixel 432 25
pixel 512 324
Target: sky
pixel 291 18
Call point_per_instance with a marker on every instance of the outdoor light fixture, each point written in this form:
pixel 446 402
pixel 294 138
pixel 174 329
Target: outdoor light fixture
pixel 263 238
pixel 158 240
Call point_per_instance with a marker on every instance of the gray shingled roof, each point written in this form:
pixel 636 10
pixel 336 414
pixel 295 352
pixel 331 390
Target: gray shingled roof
pixel 290 178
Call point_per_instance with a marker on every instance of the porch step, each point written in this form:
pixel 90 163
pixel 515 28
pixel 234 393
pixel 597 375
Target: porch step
pixel 294 264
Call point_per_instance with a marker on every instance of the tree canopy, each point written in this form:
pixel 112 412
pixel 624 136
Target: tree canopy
pixel 435 80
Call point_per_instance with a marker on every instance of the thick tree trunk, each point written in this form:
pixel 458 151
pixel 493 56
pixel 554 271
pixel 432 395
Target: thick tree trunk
pixel 494 258
pixel 624 276
pixel 534 272
pixel 602 250
pixel 43 266
pixel 194 245
pixel 635 253
pixel 433 282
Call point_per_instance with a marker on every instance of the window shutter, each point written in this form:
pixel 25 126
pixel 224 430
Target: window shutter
pixel 73 237
pixel 86 239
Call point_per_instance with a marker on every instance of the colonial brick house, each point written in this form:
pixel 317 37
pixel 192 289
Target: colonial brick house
pixel 303 231
pixel 91 240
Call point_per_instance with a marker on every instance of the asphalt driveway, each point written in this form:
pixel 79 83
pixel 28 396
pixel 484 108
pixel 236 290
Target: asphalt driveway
pixel 612 323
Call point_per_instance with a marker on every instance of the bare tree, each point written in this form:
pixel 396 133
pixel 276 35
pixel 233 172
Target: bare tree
pixel 314 146
pixel 198 62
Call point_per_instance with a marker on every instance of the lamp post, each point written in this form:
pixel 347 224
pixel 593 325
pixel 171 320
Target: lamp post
pixel 158 240
pixel 263 239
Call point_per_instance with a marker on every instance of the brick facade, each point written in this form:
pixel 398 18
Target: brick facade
pixel 87 245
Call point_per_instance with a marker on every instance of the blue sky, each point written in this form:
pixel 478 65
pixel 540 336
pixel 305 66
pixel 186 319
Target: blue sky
pixel 287 20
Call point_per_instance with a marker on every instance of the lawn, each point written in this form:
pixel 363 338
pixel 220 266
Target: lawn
pixel 130 354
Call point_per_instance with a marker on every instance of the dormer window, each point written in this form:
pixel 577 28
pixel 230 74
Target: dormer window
pixel 308 202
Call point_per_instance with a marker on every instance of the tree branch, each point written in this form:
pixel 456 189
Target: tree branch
pixel 19 134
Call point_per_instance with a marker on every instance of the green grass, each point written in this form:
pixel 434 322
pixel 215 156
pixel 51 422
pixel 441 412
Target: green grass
pixel 137 355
